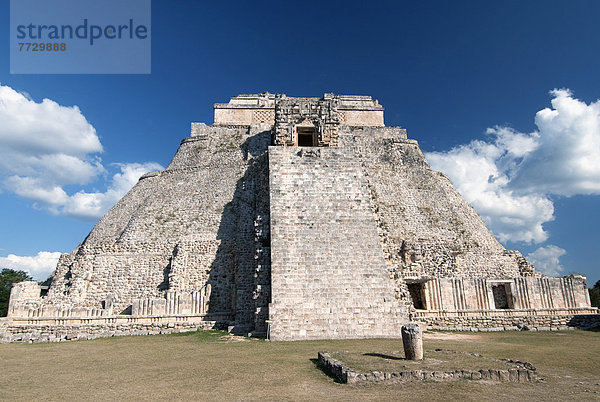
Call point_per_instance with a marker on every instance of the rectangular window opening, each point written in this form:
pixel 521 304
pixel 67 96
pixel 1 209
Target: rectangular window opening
pixel 501 296
pixel 417 295
pixel 306 136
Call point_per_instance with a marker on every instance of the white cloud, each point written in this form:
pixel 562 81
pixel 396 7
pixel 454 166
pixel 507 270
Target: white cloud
pixel 93 205
pixel 45 128
pixel 46 146
pixel 39 266
pixel 481 172
pixel 567 161
pixel 546 260
pixel 509 178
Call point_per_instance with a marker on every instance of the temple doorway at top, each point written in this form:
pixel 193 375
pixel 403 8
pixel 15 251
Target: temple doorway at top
pixel 306 136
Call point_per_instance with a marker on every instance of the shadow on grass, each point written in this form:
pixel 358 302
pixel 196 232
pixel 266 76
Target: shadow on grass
pixel 322 369
pixel 389 357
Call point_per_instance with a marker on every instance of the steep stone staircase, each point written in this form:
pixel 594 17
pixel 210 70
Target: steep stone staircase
pixel 328 274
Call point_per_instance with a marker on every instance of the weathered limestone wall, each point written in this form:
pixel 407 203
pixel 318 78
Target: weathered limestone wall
pixel 24 291
pixel 248 109
pixel 174 303
pixel 426 228
pixel 328 274
pixel 58 330
pixel 524 320
pixel 518 293
pixel 195 235
pixel 517 303
pixel 361 117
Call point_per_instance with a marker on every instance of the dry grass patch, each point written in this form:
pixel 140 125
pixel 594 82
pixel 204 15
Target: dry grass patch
pixel 214 366
pixel 366 361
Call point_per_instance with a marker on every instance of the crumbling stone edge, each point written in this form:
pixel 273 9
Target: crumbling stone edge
pixel 61 333
pixel 347 375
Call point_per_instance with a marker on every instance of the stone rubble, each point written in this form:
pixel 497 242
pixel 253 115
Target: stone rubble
pixel 347 375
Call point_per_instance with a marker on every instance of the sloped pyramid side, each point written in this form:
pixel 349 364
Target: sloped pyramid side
pixel 176 230
pixel 426 227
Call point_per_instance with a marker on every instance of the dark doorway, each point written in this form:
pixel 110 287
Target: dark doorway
pixel 416 291
pixel 306 136
pixel 500 296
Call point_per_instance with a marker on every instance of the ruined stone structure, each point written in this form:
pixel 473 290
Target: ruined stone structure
pixel 291 218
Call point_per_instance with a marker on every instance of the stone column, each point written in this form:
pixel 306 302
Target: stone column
pixel 412 338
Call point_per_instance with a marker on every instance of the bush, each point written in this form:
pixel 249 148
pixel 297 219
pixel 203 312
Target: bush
pixel 595 295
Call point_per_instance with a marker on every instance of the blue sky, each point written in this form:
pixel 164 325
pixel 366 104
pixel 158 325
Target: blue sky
pixel 465 78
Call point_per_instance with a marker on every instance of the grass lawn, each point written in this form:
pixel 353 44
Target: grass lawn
pixel 210 366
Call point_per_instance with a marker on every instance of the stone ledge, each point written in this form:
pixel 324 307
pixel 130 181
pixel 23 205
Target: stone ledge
pixel 532 312
pixel 490 323
pixel 347 375
pixel 114 319
pixel 58 333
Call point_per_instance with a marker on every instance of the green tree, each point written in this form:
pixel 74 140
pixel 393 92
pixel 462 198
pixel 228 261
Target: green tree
pixel 595 295
pixel 7 278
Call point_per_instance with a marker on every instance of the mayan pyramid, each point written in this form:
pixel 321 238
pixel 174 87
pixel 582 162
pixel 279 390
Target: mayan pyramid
pixel 294 218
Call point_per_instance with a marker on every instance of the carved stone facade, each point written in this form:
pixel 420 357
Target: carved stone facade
pixel 348 110
pixel 316 119
pixel 292 218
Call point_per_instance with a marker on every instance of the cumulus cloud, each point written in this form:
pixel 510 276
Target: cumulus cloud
pixel 92 205
pixel 546 260
pixel 481 171
pixel 567 160
pixel 45 147
pixel 510 177
pixel 46 128
pixel 39 266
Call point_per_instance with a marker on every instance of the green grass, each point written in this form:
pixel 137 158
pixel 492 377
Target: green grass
pixel 214 366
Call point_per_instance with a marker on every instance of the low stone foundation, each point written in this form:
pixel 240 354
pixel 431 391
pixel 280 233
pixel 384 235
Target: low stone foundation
pixel 56 330
pixel 508 320
pixel 346 375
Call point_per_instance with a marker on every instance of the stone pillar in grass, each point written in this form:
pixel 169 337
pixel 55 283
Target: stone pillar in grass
pixel 412 338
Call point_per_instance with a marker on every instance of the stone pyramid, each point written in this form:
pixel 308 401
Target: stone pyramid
pixel 292 218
